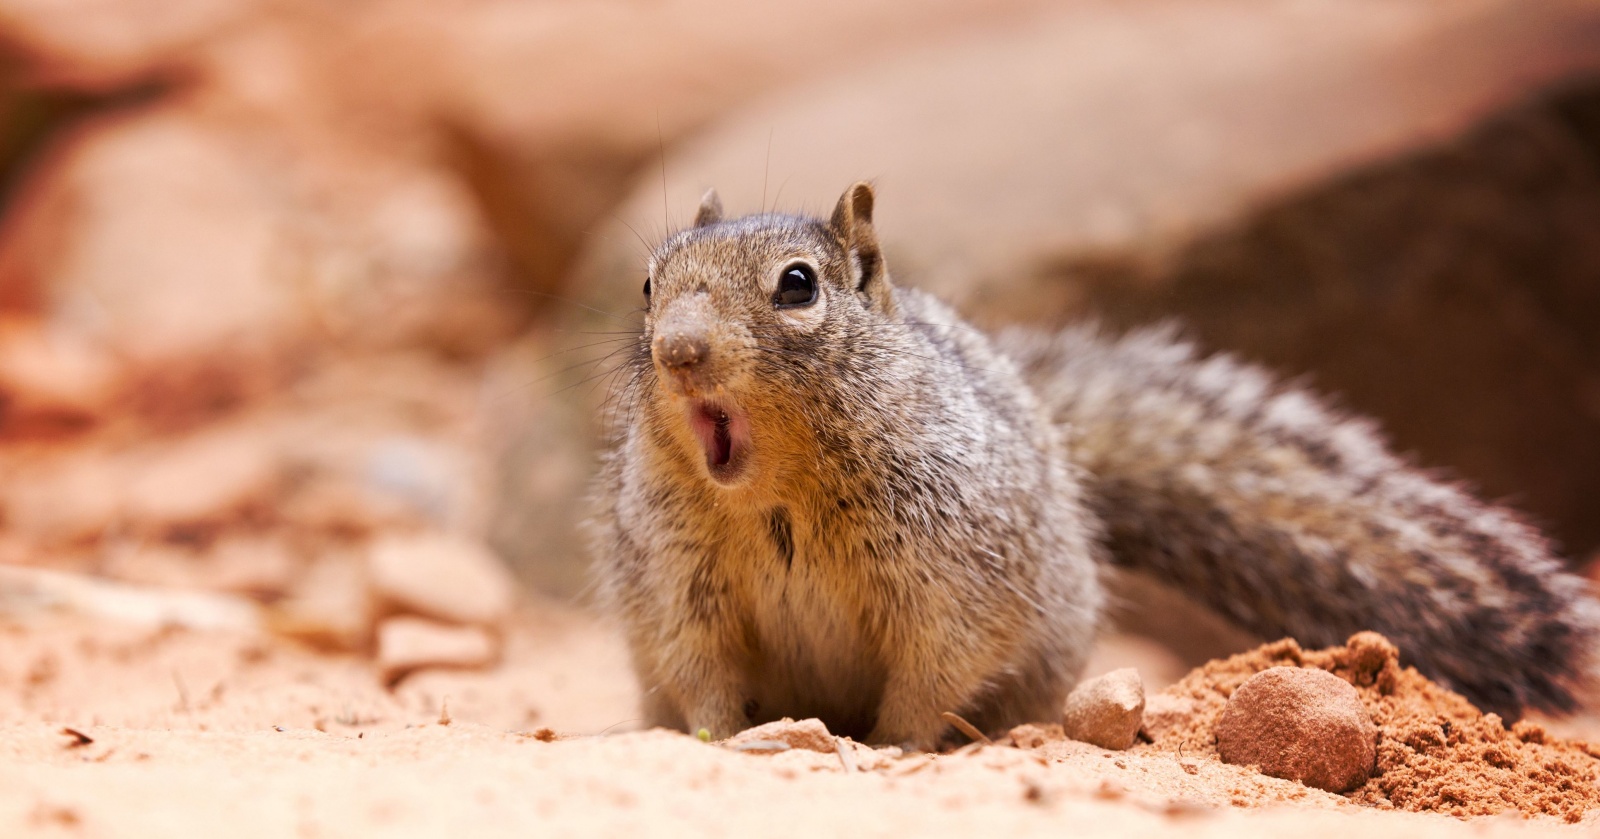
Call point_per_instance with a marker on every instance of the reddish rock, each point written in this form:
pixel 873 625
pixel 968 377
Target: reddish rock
pixel 1301 724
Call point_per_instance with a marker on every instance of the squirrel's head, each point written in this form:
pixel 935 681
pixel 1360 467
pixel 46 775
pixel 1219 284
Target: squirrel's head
pixel 744 315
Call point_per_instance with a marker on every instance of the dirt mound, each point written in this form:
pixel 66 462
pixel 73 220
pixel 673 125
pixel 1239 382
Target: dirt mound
pixel 1436 752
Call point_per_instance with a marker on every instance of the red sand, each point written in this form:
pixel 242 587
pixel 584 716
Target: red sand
pixel 1436 752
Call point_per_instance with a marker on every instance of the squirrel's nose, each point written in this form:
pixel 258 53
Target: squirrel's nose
pixel 680 350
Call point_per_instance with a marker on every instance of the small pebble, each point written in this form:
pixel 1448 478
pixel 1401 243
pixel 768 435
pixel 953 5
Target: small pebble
pixel 805 734
pixel 1106 710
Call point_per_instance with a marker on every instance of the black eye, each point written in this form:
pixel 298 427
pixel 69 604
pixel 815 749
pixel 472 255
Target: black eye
pixel 797 286
pixel 647 287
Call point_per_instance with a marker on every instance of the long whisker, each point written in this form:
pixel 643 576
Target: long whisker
pixel 778 199
pixel 590 345
pixel 563 371
pixel 569 301
pixel 661 146
pixel 766 171
pixel 647 246
pixel 585 380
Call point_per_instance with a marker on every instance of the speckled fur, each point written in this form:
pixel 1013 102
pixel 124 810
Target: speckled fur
pixel 910 533
pixel 1293 519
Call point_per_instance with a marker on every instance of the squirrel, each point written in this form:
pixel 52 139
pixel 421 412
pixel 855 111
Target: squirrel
pixel 827 496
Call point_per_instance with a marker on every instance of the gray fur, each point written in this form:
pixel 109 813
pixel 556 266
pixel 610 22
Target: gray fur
pixel 1293 519
pixel 905 531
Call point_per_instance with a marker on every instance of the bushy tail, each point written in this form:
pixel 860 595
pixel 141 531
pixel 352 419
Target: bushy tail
pixel 1293 519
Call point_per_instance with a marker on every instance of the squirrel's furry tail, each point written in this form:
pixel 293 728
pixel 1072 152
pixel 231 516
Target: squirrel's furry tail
pixel 1294 519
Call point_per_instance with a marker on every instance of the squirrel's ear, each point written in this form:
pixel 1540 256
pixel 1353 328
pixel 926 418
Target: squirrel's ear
pixel 852 222
pixel 710 211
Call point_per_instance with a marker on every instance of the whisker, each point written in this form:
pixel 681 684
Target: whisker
pixel 558 298
pixel 590 345
pixel 563 371
pixel 778 199
pixel 647 246
pixel 585 380
pixel 661 146
pixel 766 170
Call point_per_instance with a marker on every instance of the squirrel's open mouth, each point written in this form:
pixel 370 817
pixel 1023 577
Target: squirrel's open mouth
pixel 724 434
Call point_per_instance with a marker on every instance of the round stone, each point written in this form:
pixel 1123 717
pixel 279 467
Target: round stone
pixel 1301 724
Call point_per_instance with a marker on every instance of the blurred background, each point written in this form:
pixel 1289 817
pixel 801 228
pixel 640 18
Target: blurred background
pixel 289 288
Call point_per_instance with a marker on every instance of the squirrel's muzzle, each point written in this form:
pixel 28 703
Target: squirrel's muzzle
pixel 680 351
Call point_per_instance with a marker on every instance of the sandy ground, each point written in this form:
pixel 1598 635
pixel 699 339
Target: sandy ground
pixel 280 284
pixel 112 731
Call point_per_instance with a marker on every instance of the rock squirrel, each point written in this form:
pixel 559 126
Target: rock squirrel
pixel 827 496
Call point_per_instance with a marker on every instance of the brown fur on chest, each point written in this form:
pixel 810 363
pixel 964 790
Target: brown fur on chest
pixel 812 617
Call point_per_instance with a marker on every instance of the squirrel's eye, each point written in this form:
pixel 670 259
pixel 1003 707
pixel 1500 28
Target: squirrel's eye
pixel 647 287
pixel 797 286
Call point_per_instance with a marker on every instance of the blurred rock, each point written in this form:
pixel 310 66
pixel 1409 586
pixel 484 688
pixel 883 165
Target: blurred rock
pixel 442 577
pixel 191 486
pixel 288 184
pixel 1101 128
pixel 169 239
pixel 134 561
pixel 301 467
pixel 407 644
pixel 263 567
pixel 259 566
pixel 333 506
pixel 425 476
pixel 1107 710
pixel 549 162
pixel 24 591
pixel 71 498
pixel 368 150
pixel 99 44
pixel 50 384
pixel 1451 292
pixel 330 607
